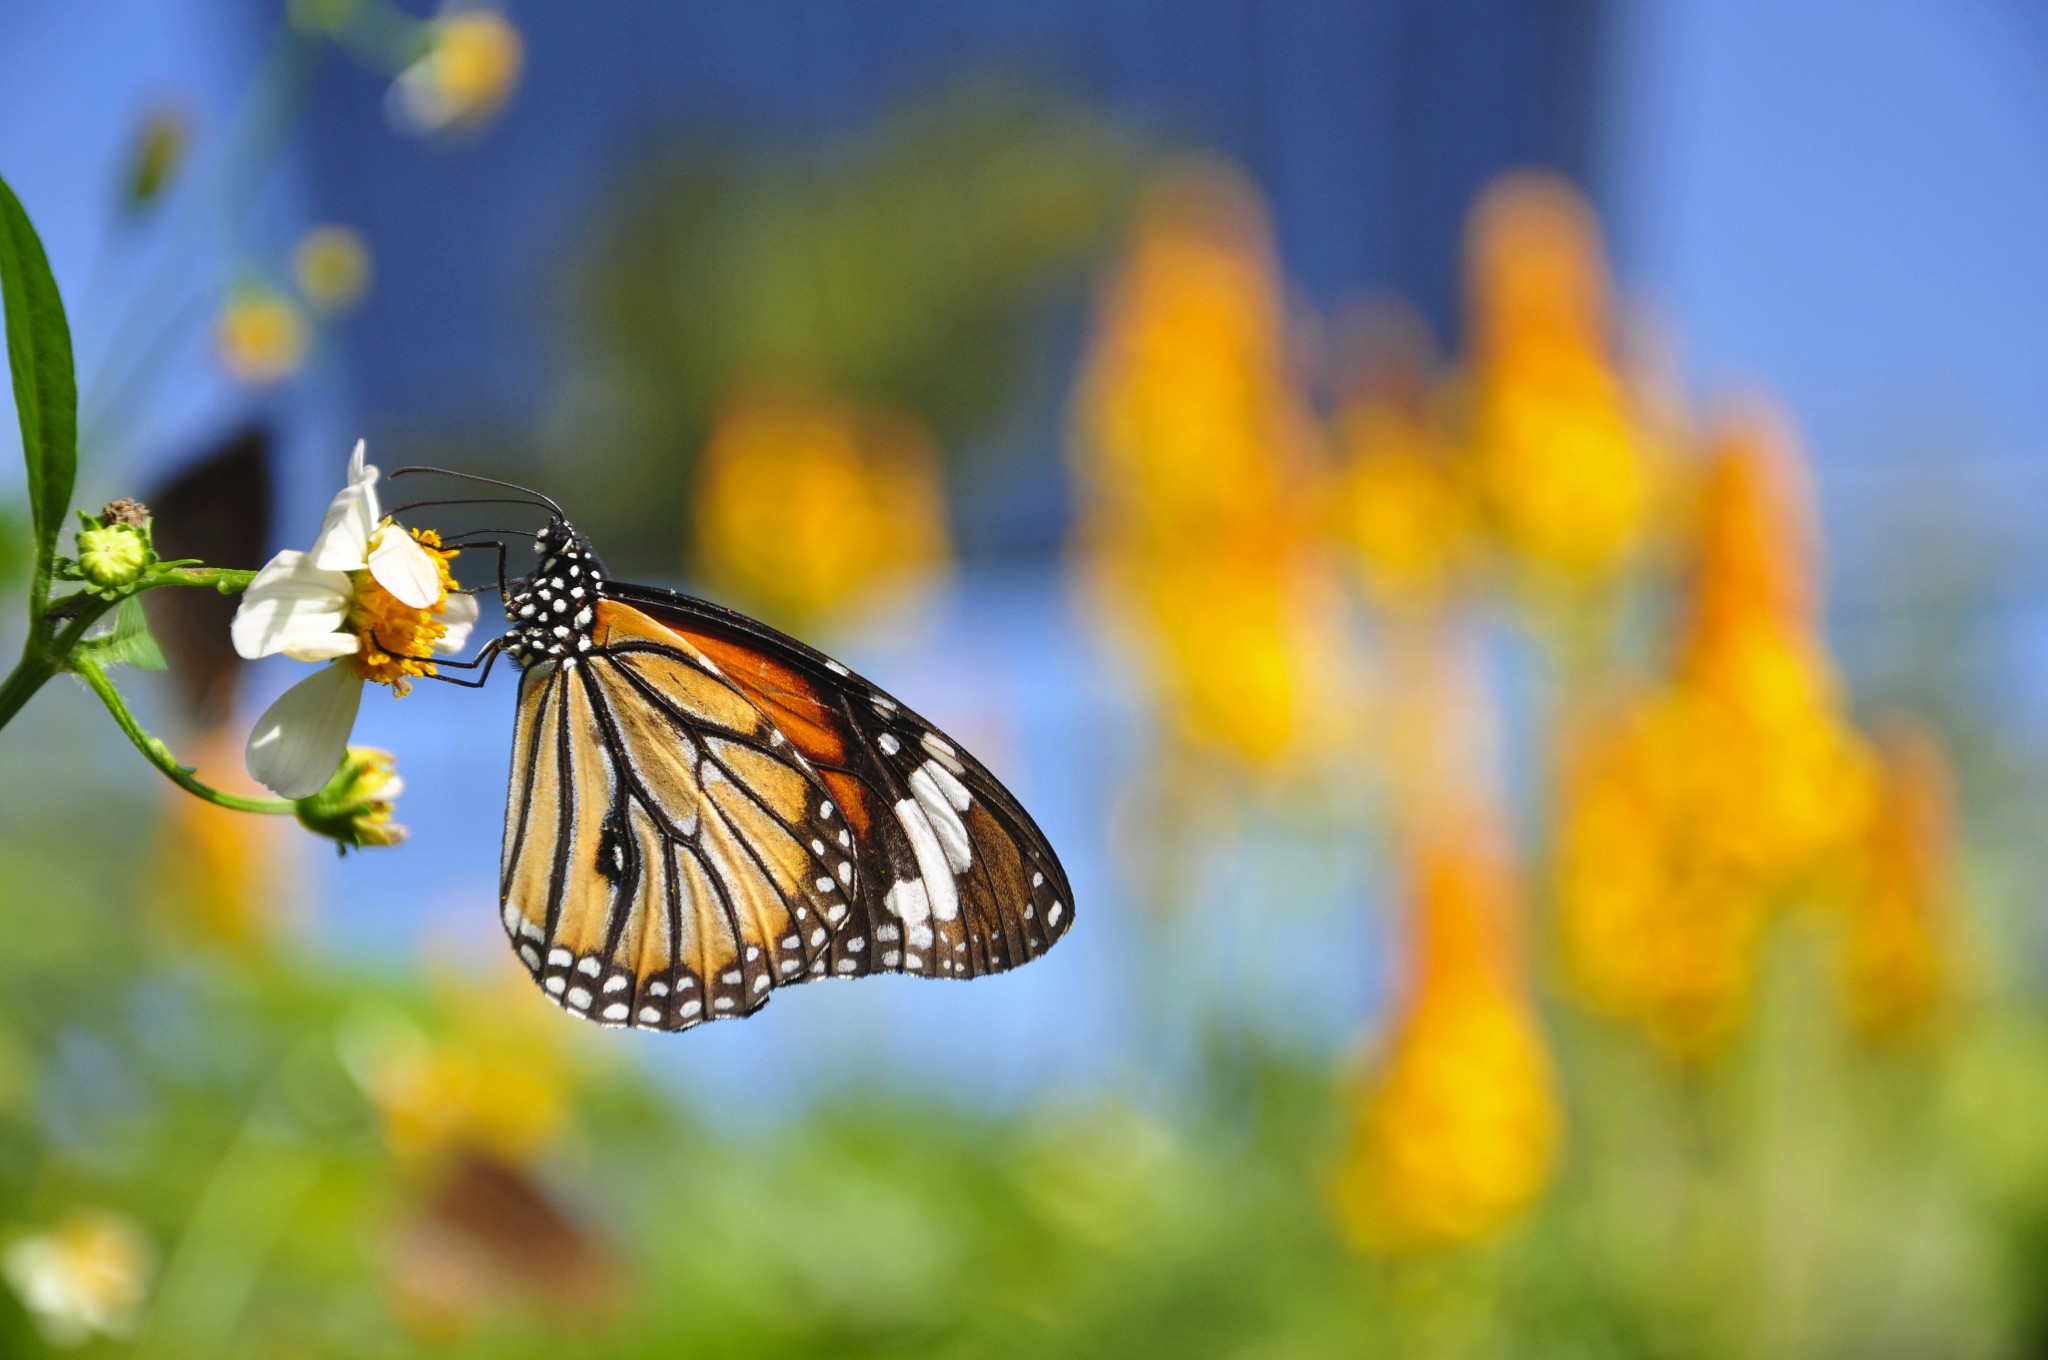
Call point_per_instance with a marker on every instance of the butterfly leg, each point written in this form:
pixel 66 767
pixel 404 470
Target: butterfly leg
pixel 499 546
pixel 486 658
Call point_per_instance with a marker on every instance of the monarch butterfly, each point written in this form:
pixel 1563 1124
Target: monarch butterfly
pixel 703 810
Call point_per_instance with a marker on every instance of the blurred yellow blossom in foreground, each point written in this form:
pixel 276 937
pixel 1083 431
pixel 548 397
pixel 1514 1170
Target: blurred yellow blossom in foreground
pixel 1195 455
pixel 807 506
pixel 332 265
pixel 1559 460
pixel 1457 1131
pixel 468 71
pixel 88 1274
pixel 491 1079
pixel 1690 812
pixel 260 336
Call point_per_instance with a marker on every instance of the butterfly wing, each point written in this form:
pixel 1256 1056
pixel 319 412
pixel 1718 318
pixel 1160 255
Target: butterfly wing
pixel 956 880
pixel 703 810
pixel 669 858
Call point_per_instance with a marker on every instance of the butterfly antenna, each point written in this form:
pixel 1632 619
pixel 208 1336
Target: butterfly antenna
pixel 479 500
pixel 537 497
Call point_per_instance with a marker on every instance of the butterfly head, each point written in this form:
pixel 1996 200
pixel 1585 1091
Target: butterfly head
pixel 553 607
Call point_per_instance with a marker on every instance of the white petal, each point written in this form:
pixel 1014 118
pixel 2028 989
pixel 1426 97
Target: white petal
pixel 323 647
pixel 300 740
pixel 358 464
pixel 404 568
pixel 344 541
pixel 289 602
pixel 460 616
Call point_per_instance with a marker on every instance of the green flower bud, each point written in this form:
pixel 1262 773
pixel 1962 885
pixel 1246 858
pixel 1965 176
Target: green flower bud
pixel 354 810
pixel 111 556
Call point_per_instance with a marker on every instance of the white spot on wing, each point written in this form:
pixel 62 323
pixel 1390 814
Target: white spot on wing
pixel 942 751
pixel 887 741
pixel 941 814
pixel 932 862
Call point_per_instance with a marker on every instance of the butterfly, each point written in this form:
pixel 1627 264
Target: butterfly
pixel 704 810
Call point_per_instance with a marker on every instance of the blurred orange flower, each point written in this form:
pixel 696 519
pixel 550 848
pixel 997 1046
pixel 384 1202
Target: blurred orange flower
pixel 808 507
pixel 1404 500
pixel 1457 1131
pixel 1561 465
pixel 1457 1128
pixel 1195 457
pixel 1690 813
pixel 219 875
pixel 1897 952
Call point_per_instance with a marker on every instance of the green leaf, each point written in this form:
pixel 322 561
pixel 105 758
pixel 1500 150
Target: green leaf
pixel 130 643
pixel 45 389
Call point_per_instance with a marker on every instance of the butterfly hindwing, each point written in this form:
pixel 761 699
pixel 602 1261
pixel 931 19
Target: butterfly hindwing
pixel 958 881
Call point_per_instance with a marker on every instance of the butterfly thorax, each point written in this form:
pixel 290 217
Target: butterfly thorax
pixel 552 608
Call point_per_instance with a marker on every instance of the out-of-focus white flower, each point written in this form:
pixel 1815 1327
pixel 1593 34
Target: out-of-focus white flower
pixel 372 601
pixel 87 1274
pixel 469 69
pixel 332 265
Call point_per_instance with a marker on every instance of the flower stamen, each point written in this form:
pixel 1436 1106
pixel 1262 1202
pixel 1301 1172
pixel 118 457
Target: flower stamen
pixel 395 636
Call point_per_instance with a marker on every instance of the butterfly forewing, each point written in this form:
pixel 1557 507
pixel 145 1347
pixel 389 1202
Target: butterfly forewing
pixel 666 857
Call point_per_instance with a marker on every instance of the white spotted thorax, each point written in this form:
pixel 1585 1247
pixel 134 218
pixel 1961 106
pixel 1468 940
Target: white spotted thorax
pixel 552 609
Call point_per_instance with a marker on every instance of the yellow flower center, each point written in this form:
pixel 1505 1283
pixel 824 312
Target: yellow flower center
pixel 395 636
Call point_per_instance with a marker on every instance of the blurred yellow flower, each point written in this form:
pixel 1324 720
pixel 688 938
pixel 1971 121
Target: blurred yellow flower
pixel 807 507
pixel 1236 643
pixel 491 1078
pixel 468 71
pixel 1403 506
pixel 1457 1131
pixel 333 267
pixel 1562 467
pixel 261 337
pixel 1195 460
pixel 1655 925
pixel 88 1274
pixel 1897 951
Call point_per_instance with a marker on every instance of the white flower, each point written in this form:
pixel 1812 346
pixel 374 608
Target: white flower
pixel 370 601
pixel 87 1274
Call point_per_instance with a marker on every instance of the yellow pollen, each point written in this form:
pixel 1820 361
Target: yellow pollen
pixel 393 633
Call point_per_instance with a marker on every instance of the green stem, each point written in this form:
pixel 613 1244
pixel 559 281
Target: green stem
pixel 160 755
pixel 44 654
